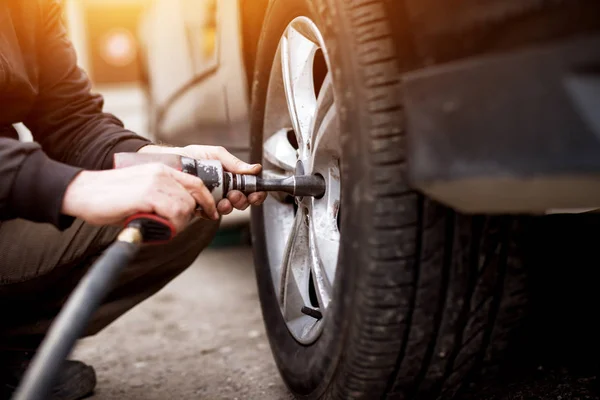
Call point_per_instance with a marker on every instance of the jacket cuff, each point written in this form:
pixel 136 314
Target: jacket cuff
pixel 124 146
pixel 39 188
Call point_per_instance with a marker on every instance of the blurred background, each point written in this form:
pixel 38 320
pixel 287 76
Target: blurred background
pixel 105 35
pixel 159 65
pixel 160 68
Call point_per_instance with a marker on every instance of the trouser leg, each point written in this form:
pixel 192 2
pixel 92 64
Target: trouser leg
pixel 39 267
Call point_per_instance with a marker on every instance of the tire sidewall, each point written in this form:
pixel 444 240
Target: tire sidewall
pixel 308 370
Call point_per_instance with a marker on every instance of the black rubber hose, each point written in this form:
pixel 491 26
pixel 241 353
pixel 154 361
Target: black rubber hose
pixel 70 323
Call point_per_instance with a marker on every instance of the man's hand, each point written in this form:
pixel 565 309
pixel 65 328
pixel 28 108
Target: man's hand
pixel 235 199
pixel 110 197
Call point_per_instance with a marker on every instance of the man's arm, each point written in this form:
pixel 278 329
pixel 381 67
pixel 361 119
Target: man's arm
pixel 68 122
pixel 32 185
pixel 67 119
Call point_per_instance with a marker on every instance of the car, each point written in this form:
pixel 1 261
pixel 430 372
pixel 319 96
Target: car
pixel 443 131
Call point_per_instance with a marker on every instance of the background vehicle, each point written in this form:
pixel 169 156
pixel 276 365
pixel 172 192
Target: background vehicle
pixel 194 68
pixel 380 289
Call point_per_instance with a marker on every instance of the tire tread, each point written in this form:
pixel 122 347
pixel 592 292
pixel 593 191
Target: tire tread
pixel 421 337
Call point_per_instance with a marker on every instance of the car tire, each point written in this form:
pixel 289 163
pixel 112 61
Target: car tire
pixel 424 298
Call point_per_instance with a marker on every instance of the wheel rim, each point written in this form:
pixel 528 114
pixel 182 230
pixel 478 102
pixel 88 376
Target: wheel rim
pixel 301 134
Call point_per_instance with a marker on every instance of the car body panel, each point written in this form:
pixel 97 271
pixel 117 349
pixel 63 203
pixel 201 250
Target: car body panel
pixel 508 133
pixel 198 86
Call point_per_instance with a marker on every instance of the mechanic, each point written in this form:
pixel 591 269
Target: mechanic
pixel 61 203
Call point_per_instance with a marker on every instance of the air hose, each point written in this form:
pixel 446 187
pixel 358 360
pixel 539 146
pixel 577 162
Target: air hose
pixel 73 318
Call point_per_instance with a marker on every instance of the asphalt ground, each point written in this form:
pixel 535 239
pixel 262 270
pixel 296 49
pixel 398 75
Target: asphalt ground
pixel 202 337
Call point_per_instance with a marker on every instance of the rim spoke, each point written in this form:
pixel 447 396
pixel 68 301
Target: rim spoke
pixel 278 151
pixel 296 271
pixel 308 29
pixel 297 55
pixel 325 235
pixel 303 325
pixel 273 174
pixel 326 127
pixel 327 138
pixel 275 210
pixel 324 103
pixel 320 252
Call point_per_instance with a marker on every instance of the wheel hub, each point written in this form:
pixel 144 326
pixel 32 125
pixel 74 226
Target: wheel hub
pixel 302 137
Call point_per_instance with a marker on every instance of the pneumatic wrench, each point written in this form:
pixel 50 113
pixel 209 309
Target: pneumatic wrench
pixel 220 182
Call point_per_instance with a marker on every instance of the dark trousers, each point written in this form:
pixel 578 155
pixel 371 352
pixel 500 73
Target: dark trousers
pixel 40 266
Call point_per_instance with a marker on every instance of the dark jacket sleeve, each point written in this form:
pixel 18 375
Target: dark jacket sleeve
pixel 67 119
pixel 32 185
pixel 68 123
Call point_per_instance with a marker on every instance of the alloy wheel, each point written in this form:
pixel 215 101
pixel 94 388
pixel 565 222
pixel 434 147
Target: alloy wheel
pixel 301 134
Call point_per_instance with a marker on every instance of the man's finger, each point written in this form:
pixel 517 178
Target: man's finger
pixel 224 207
pixel 198 190
pixel 165 207
pixel 256 199
pixel 238 200
pixel 232 163
pixel 201 214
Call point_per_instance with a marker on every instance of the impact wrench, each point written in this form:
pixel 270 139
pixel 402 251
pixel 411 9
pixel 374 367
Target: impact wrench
pixel 139 229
